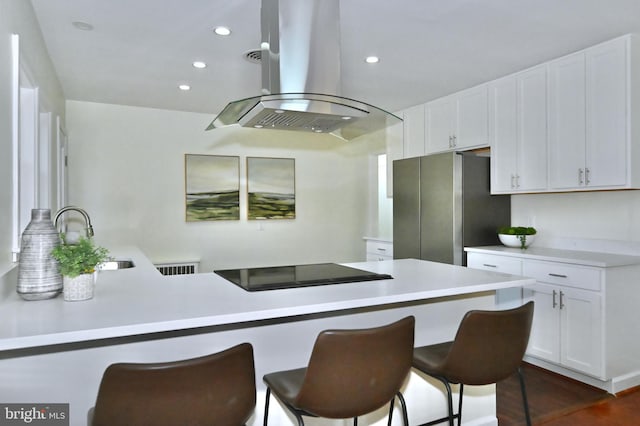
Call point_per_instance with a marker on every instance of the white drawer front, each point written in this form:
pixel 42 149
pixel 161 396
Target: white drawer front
pixel 380 248
pixel 488 262
pixel 563 274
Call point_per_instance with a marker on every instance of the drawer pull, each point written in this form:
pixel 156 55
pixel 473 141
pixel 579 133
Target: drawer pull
pixel 558 275
pixel 489 265
pixel 381 249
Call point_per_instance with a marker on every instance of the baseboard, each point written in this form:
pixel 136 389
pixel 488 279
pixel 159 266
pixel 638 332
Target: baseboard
pixel 614 385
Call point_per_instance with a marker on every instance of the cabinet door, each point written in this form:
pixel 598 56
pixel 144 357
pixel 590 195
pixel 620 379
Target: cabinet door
pixel 414 128
pixel 394 137
pixel 544 341
pixel 532 129
pixel 567 126
pixel 472 123
pixel 607 92
pixel 581 330
pixel 439 118
pixel 503 134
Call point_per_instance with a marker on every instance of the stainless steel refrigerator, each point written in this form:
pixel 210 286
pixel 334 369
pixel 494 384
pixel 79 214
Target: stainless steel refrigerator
pixel 442 203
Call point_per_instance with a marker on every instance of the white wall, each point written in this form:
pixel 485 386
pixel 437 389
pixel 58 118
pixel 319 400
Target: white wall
pixel 607 220
pixel 126 168
pixel 17 17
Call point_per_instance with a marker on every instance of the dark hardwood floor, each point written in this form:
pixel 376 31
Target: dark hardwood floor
pixel 555 400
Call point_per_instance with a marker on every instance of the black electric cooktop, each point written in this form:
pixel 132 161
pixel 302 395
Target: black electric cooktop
pixel 279 277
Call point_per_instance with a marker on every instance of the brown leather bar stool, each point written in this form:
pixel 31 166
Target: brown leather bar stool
pixel 350 373
pixel 488 347
pixel 216 389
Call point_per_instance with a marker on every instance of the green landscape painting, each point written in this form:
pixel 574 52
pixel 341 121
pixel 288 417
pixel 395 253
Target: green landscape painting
pixel 271 188
pixel 212 187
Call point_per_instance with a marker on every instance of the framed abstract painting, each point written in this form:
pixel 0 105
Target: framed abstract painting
pixel 212 187
pixel 271 188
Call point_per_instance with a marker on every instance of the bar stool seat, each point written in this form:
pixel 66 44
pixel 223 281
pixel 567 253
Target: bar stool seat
pixel 350 373
pixel 488 347
pixel 215 389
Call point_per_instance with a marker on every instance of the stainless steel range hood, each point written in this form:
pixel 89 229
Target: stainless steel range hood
pixel 301 76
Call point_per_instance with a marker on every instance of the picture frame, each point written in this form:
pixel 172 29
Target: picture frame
pixel 212 187
pixel 271 188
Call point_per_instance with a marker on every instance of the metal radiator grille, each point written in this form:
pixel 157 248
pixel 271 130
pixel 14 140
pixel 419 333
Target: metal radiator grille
pixel 177 268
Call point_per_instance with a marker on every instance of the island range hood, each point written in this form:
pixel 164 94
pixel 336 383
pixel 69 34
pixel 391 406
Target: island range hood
pixel 300 58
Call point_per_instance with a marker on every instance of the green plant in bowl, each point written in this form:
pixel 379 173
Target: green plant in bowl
pixel 79 258
pixel 523 234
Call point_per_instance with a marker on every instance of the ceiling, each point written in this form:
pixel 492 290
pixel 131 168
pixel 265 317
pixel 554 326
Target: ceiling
pixel 140 50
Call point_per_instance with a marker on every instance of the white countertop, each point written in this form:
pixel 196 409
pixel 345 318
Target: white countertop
pixel 140 300
pixel 587 258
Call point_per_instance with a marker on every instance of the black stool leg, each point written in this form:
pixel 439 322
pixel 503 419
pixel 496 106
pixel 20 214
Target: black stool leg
pixel 390 416
pixel 460 404
pixel 524 397
pixel 405 415
pixel 266 406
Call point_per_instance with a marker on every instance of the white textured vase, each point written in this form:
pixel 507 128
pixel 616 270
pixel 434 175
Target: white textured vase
pixel 38 274
pixel 79 288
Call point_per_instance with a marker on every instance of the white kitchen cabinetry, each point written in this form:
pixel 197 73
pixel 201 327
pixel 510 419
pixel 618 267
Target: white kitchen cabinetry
pixel 458 121
pixel 585 315
pixel 378 249
pixel 568 326
pixel 394 136
pixel 506 298
pixel 413 125
pixel 518 132
pixel 588 133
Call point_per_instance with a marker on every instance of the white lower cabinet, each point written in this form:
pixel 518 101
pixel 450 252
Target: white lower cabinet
pixel 586 310
pixel 379 249
pixel 508 297
pixel 567 327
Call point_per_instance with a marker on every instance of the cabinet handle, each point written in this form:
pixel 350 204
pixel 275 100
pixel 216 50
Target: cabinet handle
pixel 554 299
pixel 455 141
pixel 586 176
pixel 450 142
pixel 517 181
pixel 557 275
pixel 561 301
pixel 489 265
pixel 513 181
pixel 580 176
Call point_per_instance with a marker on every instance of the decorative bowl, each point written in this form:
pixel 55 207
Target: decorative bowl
pixel 515 240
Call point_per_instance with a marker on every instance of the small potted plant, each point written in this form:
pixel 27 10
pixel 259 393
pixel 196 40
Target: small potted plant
pixel 77 263
pixel 517 236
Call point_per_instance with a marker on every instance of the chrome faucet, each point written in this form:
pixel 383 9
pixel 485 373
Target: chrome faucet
pixel 79 210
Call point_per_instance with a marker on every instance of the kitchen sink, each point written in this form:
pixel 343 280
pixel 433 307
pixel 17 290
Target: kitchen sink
pixel 113 265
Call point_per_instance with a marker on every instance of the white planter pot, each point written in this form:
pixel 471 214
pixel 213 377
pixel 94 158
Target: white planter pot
pixel 78 288
pixel 514 240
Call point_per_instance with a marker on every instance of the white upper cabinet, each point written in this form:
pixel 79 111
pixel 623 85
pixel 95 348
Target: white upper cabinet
pixel 518 132
pixel 588 132
pixel 608 143
pixel 458 122
pixel 567 122
pixel 413 125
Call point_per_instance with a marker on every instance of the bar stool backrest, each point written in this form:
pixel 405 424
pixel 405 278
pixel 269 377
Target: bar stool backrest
pixel 215 389
pixel 354 372
pixel 489 345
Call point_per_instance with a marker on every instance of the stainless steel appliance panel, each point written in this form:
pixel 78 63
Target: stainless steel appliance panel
pixel 454 209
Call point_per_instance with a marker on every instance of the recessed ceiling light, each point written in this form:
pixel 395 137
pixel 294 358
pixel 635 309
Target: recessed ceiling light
pixel 82 26
pixel 372 59
pixel 184 87
pixel 199 64
pixel 222 31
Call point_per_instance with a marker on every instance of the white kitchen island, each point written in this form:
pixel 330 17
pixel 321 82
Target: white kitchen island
pixel 54 351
